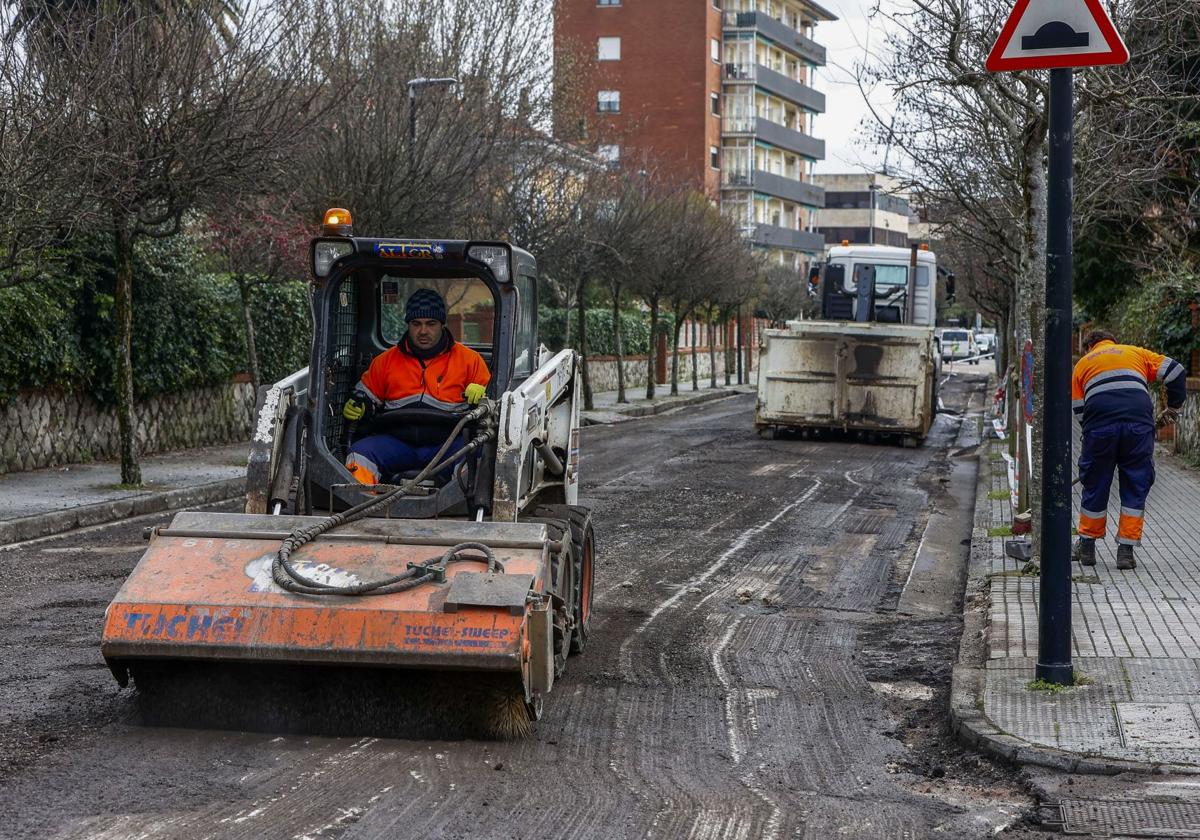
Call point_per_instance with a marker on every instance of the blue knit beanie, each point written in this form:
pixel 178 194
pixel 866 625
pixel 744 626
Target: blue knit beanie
pixel 425 303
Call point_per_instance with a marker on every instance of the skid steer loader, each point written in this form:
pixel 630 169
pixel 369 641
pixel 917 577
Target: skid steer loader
pixel 481 563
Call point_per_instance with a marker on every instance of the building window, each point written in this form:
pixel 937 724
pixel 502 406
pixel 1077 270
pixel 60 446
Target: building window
pixel 610 153
pixel 714 100
pixel 608 2
pixel 714 157
pixel 609 101
pixel 714 49
pixel 609 49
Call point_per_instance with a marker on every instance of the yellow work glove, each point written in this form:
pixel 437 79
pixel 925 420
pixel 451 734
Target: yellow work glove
pixel 474 393
pixel 354 409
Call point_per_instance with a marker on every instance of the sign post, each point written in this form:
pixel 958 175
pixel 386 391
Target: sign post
pixel 1057 35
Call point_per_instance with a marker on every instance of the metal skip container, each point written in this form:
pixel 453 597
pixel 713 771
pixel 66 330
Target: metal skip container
pixel 873 377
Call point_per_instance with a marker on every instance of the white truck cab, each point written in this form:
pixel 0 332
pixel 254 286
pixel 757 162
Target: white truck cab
pixel 901 295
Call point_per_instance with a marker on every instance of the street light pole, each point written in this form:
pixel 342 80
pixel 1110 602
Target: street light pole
pixel 872 188
pixel 1054 619
pixel 413 84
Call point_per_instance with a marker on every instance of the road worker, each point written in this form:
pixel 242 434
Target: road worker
pixel 1110 391
pixel 426 368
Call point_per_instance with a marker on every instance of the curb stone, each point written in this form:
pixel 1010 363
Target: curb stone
pixel 615 414
pixel 102 513
pixel 970 724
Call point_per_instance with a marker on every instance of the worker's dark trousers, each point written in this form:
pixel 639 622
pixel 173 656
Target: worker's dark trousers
pixel 1129 447
pixel 374 458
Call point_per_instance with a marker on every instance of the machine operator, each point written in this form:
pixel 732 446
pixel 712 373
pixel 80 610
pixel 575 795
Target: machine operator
pixel 426 367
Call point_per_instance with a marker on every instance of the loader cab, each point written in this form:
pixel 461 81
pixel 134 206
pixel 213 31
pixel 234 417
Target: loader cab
pixel 876 283
pixel 360 288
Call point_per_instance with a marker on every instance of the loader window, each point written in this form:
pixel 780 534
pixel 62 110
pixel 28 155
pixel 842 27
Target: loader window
pixel 470 308
pixel 525 341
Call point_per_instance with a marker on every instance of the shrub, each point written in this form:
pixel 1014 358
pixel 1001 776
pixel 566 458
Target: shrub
pixel 187 326
pixel 1156 314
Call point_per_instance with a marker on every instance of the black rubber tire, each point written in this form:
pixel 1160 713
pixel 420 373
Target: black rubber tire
pixel 583 545
pixel 583 562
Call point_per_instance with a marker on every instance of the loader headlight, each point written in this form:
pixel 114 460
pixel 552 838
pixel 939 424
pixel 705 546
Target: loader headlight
pixel 326 252
pixel 496 258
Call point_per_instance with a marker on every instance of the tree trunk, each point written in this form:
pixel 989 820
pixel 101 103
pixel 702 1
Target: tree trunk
pixel 581 308
pixel 728 348
pixel 712 349
pixel 1036 261
pixel 617 348
pixel 248 323
pixel 650 377
pixel 131 472
pixel 738 324
pixel 675 355
pixel 695 366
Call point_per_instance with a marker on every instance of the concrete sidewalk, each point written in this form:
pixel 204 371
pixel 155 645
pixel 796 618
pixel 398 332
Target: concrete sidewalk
pixel 41 503
pixel 1136 641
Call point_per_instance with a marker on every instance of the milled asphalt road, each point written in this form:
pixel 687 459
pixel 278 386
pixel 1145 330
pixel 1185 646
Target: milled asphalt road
pixel 770 657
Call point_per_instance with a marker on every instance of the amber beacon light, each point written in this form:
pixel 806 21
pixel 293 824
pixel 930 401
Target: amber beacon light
pixel 338 222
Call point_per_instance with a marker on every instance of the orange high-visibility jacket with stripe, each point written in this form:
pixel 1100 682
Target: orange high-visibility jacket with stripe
pixel 1111 384
pixel 397 379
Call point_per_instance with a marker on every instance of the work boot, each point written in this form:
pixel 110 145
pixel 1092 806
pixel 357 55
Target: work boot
pixel 1085 551
pixel 1125 559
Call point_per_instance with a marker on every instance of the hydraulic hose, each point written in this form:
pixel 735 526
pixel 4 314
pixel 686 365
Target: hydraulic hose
pixel 290 578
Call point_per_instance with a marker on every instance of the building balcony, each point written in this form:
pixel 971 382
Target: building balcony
pixel 773 236
pixel 778 84
pixel 783 137
pixel 780 186
pixel 777 32
pixel 777 135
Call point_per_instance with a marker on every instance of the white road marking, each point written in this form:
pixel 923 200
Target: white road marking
pixel 737 546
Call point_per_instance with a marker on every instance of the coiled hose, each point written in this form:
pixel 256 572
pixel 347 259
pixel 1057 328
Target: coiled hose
pixel 290 578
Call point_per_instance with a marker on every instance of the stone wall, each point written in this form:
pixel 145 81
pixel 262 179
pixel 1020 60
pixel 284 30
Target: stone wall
pixel 50 428
pixel 1187 431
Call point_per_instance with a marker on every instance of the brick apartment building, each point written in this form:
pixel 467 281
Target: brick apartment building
pixel 717 93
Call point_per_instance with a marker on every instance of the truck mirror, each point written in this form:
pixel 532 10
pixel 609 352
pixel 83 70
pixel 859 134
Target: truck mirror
pixel 950 287
pixel 814 280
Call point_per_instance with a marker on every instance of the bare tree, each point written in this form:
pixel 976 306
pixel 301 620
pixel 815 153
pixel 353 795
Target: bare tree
pixel 431 159
pixel 174 115
pixel 43 167
pixel 784 294
pixel 258 240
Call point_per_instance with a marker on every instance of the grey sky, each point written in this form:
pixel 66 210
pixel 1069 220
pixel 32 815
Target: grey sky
pixel 847 40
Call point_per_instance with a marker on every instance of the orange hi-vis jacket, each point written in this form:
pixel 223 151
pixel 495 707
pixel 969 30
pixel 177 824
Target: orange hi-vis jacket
pixel 1111 384
pixel 396 378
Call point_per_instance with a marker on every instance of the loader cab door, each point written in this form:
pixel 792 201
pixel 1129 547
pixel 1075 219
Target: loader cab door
pixel 525 334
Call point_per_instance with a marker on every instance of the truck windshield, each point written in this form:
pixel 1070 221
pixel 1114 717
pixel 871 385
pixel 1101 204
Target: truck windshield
pixel 887 277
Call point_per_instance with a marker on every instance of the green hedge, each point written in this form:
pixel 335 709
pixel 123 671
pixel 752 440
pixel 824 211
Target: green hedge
pixel 1157 314
pixel 635 330
pixel 187 327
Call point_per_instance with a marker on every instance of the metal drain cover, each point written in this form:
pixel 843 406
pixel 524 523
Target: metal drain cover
pixel 1129 818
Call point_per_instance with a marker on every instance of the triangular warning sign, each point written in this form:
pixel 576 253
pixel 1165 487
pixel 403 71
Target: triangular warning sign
pixel 1057 33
